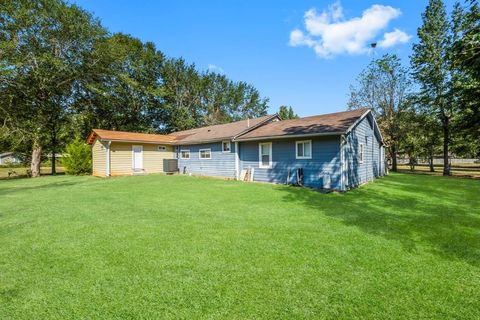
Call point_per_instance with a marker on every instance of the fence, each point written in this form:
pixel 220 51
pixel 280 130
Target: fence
pixel 439 161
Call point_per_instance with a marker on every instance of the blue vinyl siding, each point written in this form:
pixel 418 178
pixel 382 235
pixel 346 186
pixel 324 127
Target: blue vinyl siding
pixel 322 171
pixel 359 173
pixel 220 165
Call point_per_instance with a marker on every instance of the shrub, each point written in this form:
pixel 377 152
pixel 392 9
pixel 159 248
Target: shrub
pixel 78 158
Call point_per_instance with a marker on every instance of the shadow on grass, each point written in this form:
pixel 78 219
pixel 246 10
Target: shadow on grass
pixel 413 210
pixel 7 189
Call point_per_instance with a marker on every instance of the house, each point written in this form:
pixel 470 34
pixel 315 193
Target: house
pixel 336 151
pixel 212 150
pixel 122 153
pixel 7 158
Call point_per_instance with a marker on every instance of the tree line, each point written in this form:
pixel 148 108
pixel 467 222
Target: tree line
pixel 432 106
pixel 62 74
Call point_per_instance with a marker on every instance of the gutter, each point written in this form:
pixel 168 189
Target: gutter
pixel 138 141
pixel 182 143
pixel 337 133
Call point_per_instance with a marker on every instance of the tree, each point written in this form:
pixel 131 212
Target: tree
pixel 384 86
pixel 123 90
pixel 78 158
pixel 466 59
pixel 43 44
pixel 183 91
pixel 286 113
pixel 217 93
pixel 246 102
pixel 431 68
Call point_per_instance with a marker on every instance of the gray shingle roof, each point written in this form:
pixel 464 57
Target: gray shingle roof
pixel 332 123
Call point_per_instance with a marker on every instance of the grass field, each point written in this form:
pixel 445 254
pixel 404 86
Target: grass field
pixel 404 247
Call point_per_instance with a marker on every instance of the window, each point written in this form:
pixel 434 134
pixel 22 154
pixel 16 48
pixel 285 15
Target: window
pixel 361 153
pixel 225 146
pixel 162 148
pixel 205 154
pixel 184 154
pixel 304 149
pixel 265 155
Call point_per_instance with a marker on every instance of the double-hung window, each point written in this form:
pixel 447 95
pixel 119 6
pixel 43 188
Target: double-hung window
pixel 361 153
pixel 184 154
pixel 304 149
pixel 265 155
pixel 205 154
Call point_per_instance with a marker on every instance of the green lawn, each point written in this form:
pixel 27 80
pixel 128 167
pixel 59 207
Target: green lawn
pixel 406 246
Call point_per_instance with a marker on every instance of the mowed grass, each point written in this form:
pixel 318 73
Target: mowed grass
pixel 404 247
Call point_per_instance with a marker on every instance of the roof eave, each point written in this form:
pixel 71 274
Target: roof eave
pixel 138 141
pixel 182 143
pixel 305 135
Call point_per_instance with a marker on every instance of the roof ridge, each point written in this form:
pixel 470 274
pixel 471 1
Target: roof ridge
pixel 330 123
pixel 221 124
pixel 330 114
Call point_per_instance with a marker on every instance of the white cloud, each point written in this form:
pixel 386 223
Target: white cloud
pixel 214 68
pixel 329 33
pixel 393 38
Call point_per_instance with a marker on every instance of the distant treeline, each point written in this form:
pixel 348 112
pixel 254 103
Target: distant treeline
pixel 62 74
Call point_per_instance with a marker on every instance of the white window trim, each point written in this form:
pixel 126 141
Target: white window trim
pixel 260 155
pixel 184 150
pixel 200 152
pixel 296 149
pixel 361 153
pixel 229 146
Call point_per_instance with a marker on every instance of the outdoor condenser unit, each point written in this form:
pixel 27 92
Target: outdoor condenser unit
pixel 170 165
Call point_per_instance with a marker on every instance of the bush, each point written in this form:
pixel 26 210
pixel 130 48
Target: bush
pixel 78 158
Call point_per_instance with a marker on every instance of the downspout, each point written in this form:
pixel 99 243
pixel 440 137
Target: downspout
pixel 107 173
pixel 343 143
pixel 237 165
pixel 342 182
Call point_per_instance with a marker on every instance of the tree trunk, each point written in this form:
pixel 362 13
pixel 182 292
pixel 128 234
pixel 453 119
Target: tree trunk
pixel 394 158
pixel 53 150
pixel 430 159
pixel 54 169
pixel 36 159
pixel 446 142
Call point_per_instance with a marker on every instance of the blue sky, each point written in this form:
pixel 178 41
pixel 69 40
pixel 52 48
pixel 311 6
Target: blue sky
pixel 310 69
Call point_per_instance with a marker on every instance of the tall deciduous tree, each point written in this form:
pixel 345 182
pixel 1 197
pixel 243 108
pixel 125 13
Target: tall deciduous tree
pixel 183 87
pixel 431 68
pixel 384 86
pixel 123 89
pixel 43 44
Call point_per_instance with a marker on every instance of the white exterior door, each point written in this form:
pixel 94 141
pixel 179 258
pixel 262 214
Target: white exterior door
pixel 137 158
